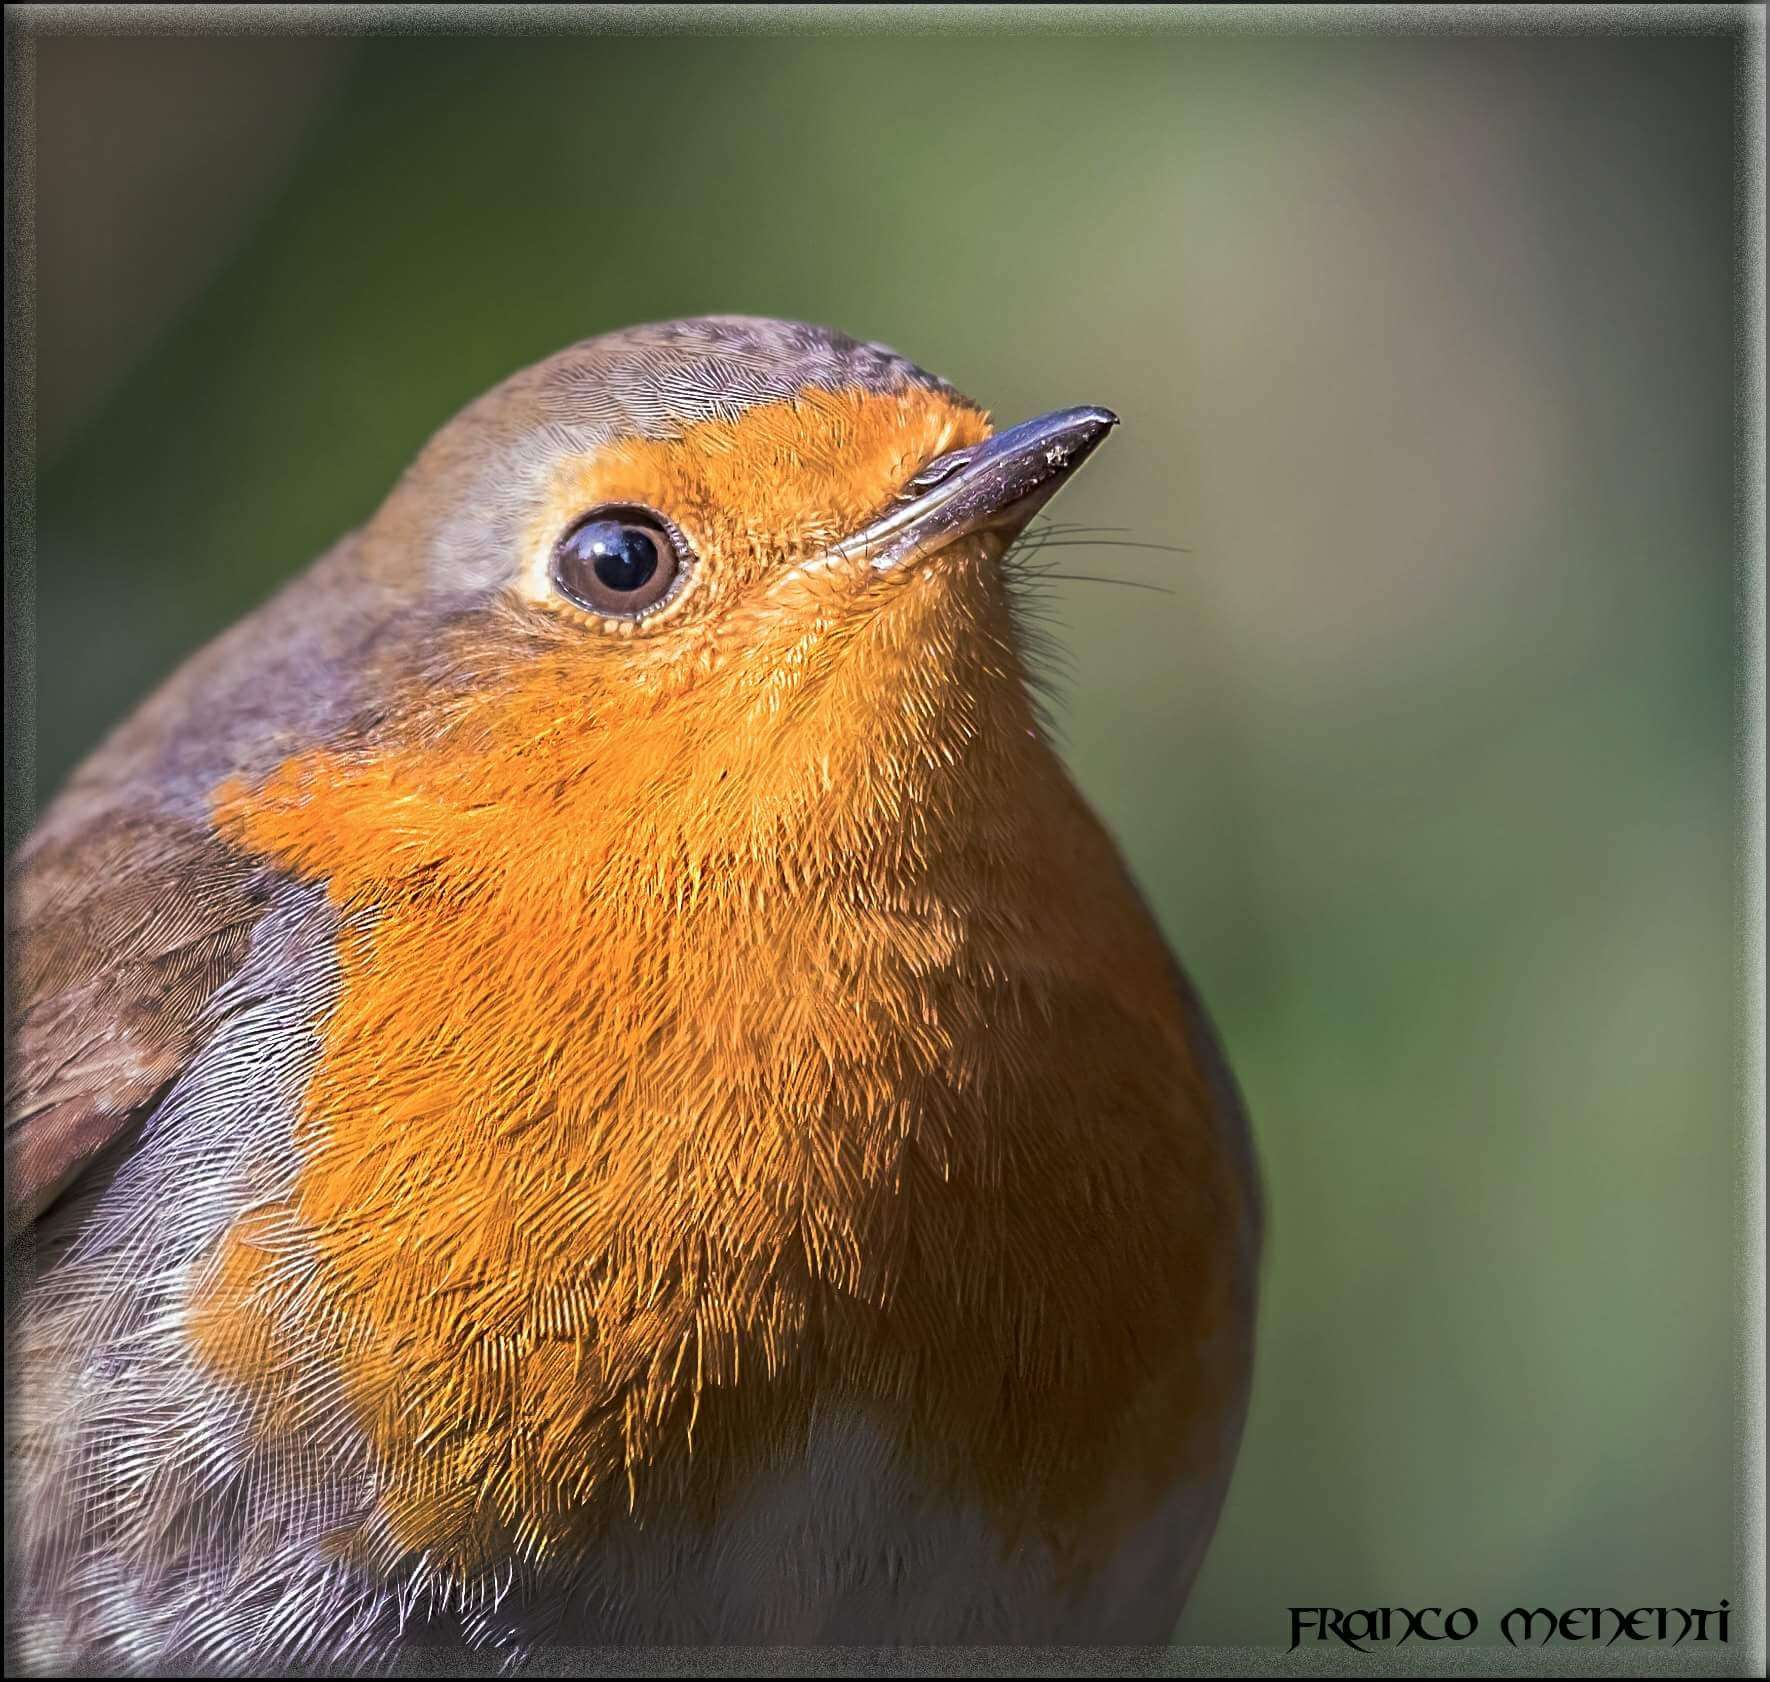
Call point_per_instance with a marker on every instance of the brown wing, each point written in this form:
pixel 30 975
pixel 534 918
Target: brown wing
pixel 119 935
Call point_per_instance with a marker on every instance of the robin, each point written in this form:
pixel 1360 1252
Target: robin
pixel 584 1075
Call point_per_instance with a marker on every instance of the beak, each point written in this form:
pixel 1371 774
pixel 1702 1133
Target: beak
pixel 998 486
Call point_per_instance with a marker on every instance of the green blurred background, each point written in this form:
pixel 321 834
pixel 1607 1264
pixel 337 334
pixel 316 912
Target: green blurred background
pixel 1424 352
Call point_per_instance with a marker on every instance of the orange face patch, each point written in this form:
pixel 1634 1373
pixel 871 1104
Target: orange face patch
pixel 760 492
pixel 699 1062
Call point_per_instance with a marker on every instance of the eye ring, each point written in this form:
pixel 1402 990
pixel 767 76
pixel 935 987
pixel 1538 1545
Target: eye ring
pixel 621 561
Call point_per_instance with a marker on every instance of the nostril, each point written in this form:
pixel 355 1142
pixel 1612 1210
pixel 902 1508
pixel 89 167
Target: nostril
pixel 942 467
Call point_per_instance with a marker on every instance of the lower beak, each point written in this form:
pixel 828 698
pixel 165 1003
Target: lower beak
pixel 995 486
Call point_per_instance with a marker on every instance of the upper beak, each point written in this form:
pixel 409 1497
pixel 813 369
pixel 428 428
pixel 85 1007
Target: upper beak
pixel 997 486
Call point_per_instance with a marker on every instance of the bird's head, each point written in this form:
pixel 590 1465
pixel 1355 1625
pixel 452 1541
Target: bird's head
pixel 710 588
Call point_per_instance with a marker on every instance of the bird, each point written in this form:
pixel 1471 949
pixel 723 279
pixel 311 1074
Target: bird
pixel 585 1076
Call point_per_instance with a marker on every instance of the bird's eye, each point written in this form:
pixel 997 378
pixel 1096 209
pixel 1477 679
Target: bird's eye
pixel 621 562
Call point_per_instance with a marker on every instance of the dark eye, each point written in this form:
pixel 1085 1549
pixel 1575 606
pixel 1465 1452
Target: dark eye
pixel 620 562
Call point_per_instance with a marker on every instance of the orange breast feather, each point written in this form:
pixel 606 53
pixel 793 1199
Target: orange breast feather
pixel 665 1098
